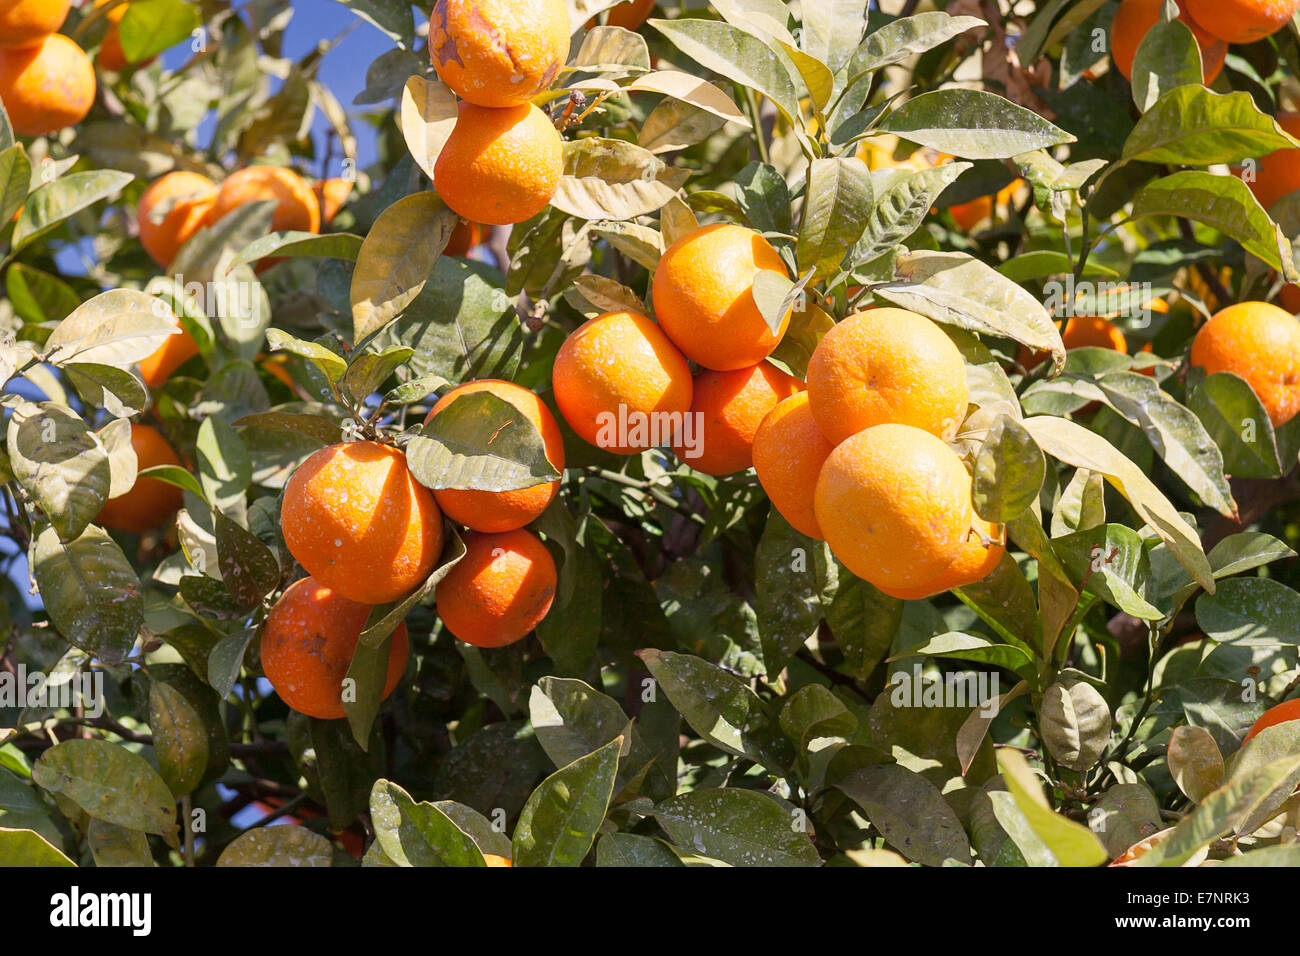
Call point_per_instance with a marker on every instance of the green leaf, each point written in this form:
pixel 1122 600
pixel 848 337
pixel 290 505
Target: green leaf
pixel 813 711
pixel 29 848
pixel 1110 560
pixel 286 846
pixel 910 812
pixel 1250 611
pixel 832 31
pixel 1046 838
pixel 61 463
pixel 972 124
pixel 631 849
pixel 148 27
pixel 614 179
pixel 39 296
pixel 90 591
pixel 335 245
pixel 118 327
pixel 15 176
pixel 972 647
pixel 795 578
pixel 111 845
pixel 482 442
pixel 1195 762
pixel 764 198
pixel 899 210
pixel 1167 58
pixel 1192 126
pixel 109 783
pixel 53 203
pixel 559 822
pixel 1224 203
pixel 740 827
pixel 1238 424
pixel 864 622
pixel 180 738
pixel 1009 471
pixel 1075 722
pixel 248 568
pixel 369 370
pixel 418 834
pixel 837 203
pixel 331 364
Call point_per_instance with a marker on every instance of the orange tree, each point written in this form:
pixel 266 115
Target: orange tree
pixel 785 526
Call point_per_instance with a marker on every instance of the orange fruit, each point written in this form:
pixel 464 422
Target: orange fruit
pixel 500 590
pixel 46 87
pixel 894 504
pixel 729 406
pixel 307 646
pixel 150 502
pixel 1289 297
pixel 296 206
pixel 630 15
pixel 189 198
pixel 1080 331
pixel 179 348
pixel 498 53
pixel 498 511
pixel 880 151
pixel 499 166
pixel 970 214
pixel 1283 712
pixel 26 22
pixel 331 194
pixel 356 519
pixel 491 859
pixel 1135 18
pixel 704 299
pixel 1278 173
pixel 974 562
pixel 1260 343
pixel 1242 21
pixel 464 237
pixel 620 384
pixel 887 365
pixel 789 451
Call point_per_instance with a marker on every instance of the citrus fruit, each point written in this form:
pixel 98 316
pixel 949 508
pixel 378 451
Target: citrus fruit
pixel 630 15
pixel 704 299
pixel 296 206
pixel 887 365
pixel 1283 712
pixel 975 561
pixel 150 502
pixel 500 590
pixel 356 519
pixel 1278 173
pixel 498 53
pixel 26 22
pixel 1260 343
pixel 331 194
pixel 1242 21
pixel 178 349
pixel 171 211
pixel 728 408
pixel 464 237
pixel 46 87
pixel 1134 18
pixel 789 451
pixel 498 511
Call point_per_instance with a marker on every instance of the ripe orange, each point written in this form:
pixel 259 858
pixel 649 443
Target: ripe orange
pixel 1080 331
pixel 1278 173
pixel 499 166
pixel 464 237
pixel 26 22
pixel 179 348
pixel 150 502
pixel 498 511
pixel 704 300
pixel 879 153
pixel 356 519
pixel 296 209
pixel 729 406
pixel 189 197
pixel 331 194
pixel 1242 21
pixel 500 590
pixel 1283 712
pixel 307 646
pixel 630 15
pixel 1289 297
pixel 621 384
pixel 970 214
pixel 1260 343
pixel 46 87
pixel 789 451
pixel 974 562
pixel 1135 18
pixel 498 53
pixel 894 504
pixel 887 365
pixel 491 859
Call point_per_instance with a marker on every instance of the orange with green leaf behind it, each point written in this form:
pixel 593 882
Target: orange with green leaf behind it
pixel 1242 21
pixel 887 365
pixel 150 502
pixel 296 206
pixel 894 504
pixel 619 371
pixel 27 22
pixel 356 519
pixel 171 211
pixel 1280 714
pixel 789 452
pixel 46 87
pixel 500 590
pixel 498 53
pixel 178 349
pixel 498 511
pixel 307 645
pixel 704 296
pixel 729 407
pixel 1260 343
pixel 1135 18
pixel 1278 173
pixel 970 214
pixel 499 166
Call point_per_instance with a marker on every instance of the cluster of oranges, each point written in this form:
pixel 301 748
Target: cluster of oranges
pixel 1214 23
pixel 368 533
pixel 47 82
pixel 504 157
pixel 856 455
